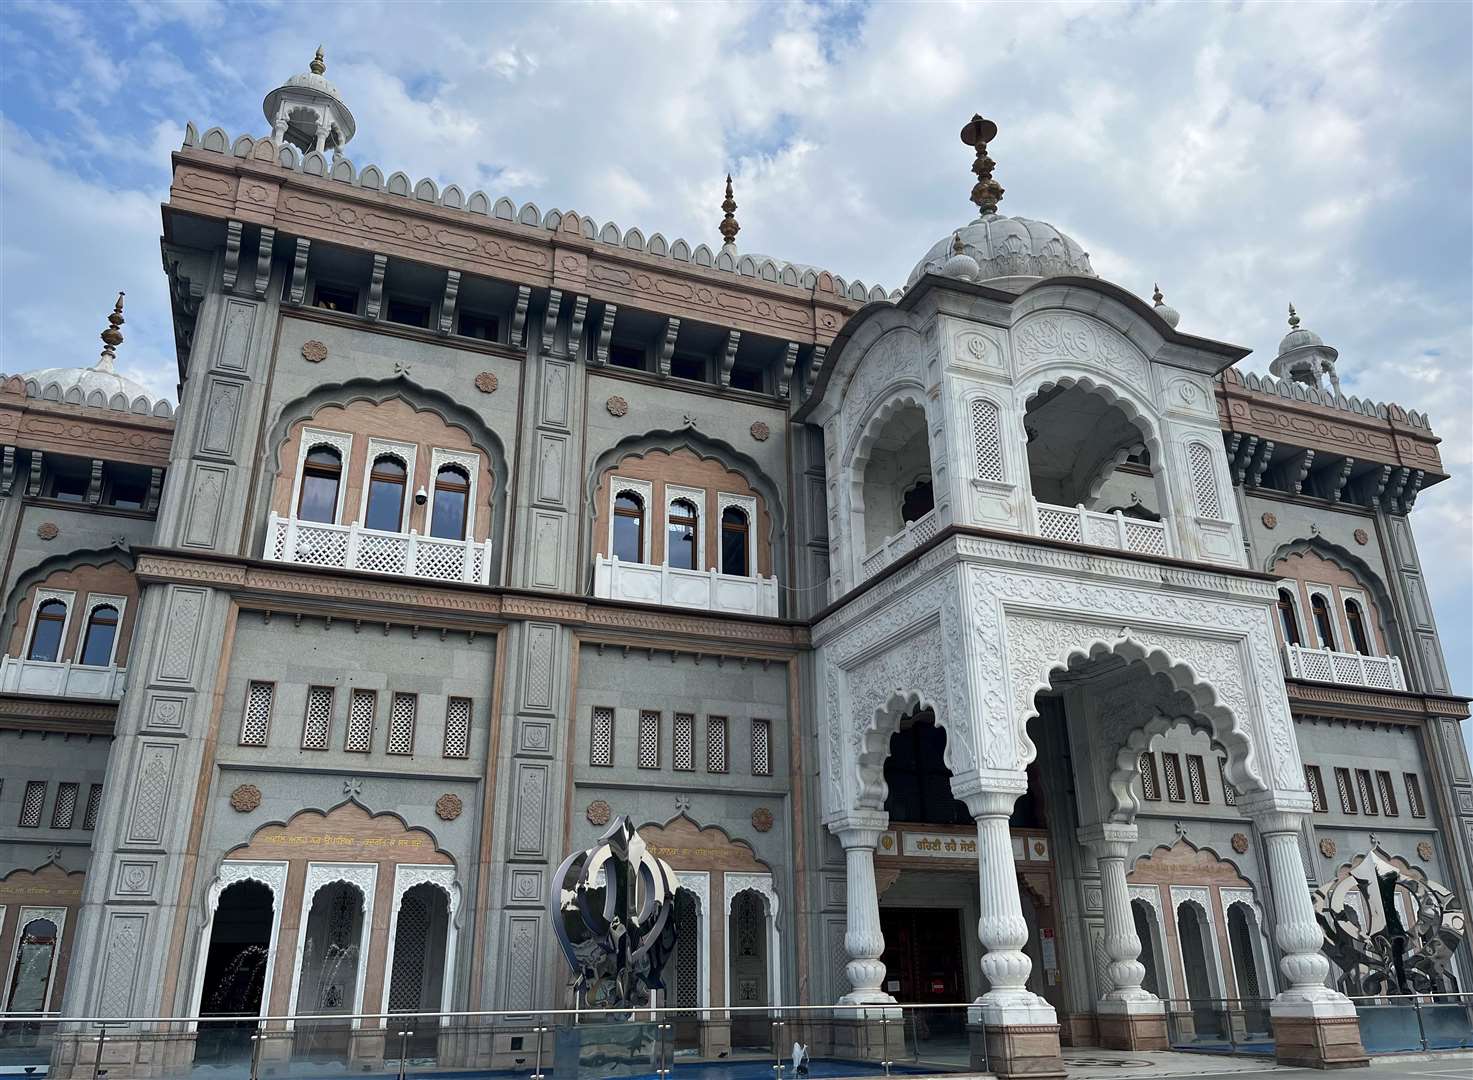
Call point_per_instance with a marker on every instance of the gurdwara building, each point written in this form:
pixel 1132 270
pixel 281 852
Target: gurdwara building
pixel 988 640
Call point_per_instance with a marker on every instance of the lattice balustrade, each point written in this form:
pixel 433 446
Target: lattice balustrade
pixel 1204 481
pixel 1347 669
pixel 352 547
pixel 716 744
pixel 317 722
pixel 65 811
pixel 761 748
pixel 31 804
pixel 361 707
pixel 1059 523
pixel 1145 537
pixel 401 724
pixel 458 727
pixel 94 807
pixel 320 546
pixel 924 529
pixel 601 737
pixel 649 739
pixel 439 559
pixel 684 741
pixel 987 440
pixel 255 724
pixel 1101 531
pixel 383 553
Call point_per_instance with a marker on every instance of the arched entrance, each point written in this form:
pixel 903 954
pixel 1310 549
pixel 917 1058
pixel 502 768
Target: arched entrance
pixel 237 967
pixel 419 949
pixel 1147 929
pixel 331 962
pixel 749 952
pixel 1205 996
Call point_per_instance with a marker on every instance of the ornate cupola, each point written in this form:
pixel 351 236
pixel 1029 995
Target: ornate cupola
pixel 308 112
pixel 1304 357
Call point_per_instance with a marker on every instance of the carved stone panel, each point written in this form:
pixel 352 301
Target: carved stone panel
pixel 551 451
pixel 133 879
pixel 206 498
pixel 222 410
pixel 547 549
pixel 534 736
pixel 122 952
pixel 151 793
pixel 186 608
pixel 524 886
pixel 530 809
pixel 540 660
pixel 523 932
pixel 554 399
pixel 235 336
pixel 167 713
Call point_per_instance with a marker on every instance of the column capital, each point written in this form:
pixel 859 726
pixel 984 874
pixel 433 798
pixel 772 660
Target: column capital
pixel 1264 806
pixel 990 792
pixel 1278 820
pixel 859 828
pixel 1110 839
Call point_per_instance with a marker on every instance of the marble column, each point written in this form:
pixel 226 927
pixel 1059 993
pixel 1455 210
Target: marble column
pixel 859 834
pixel 1313 1023
pixel 1129 1016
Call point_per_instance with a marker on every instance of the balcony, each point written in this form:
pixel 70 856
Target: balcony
pixel 62 678
pixel 914 534
pixel 704 589
pixel 1344 669
pixel 352 547
pixel 1076 525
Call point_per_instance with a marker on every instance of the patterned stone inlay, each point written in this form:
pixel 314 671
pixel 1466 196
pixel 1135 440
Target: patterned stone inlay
pixel 1240 842
pixel 1424 850
pixel 598 812
pixel 245 798
pixel 1361 537
pixel 448 807
pixel 1269 519
pixel 48 530
pixel 314 351
pixel 617 406
pixel 486 382
pixel 760 431
pixel 762 819
pixel 1328 848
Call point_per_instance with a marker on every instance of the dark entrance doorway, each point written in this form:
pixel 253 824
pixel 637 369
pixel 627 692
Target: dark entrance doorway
pixel 235 972
pixel 925 955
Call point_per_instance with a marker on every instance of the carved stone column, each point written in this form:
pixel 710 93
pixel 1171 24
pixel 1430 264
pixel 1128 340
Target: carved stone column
pixel 1020 1028
pixel 1314 1025
pixel 859 833
pixel 1130 1017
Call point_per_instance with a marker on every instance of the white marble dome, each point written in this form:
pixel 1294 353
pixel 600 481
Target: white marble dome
pixel 1004 247
pixel 90 380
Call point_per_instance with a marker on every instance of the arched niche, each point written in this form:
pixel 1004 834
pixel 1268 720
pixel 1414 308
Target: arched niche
pixel 105 572
pixel 51 898
pixel 888 458
pixel 1311 561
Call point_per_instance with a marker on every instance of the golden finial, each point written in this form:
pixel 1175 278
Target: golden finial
pixel 729 226
pixel 1293 318
pixel 112 337
pixel 318 65
pixel 987 192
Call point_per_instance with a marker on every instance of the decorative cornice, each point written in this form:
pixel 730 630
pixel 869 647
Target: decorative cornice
pixel 1347 702
pixel 31 712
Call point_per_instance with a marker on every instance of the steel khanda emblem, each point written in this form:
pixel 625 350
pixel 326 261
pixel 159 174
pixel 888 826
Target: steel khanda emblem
pixel 611 909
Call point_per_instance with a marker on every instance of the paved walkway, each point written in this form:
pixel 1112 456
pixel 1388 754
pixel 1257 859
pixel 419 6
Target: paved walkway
pixel 1094 1063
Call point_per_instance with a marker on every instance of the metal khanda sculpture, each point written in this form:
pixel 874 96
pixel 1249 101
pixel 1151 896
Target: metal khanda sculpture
pixel 611 909
pixel 1389 929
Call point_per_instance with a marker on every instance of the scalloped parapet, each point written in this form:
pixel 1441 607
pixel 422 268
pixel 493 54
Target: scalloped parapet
pixel 1270 386
pixel 158 409
pixel 479 204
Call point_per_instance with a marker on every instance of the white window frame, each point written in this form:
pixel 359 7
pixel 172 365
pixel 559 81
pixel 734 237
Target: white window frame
pixel 733 885
pixel 1292 587
pixel 471 463
pixel 699 498
pixel 646 491
pixel 748 505
pixel 312 438
pixel 405 452
pixel 320 875
pixel 1201 895
pixel 1311 589
pixel 95 601
pixel 39 597
pixel 30 914
pixel 1365 613
pixel 406 877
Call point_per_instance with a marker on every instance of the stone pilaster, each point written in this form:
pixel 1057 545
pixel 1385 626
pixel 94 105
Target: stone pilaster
pixel 859 834
pixel 1130 1017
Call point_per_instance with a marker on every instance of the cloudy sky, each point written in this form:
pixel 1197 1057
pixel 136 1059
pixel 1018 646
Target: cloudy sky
pixel 1243 155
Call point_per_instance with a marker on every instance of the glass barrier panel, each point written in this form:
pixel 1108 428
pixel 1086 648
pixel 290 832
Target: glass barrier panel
pixel 1448 1025
pixel 1388 1028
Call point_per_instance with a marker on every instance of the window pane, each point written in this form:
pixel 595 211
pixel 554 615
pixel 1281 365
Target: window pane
pixel 385 496
pixel 102 628
pixel 628 529
pixel 681 541
pixel 734 542
pixel 447 518
pixel 319 500
pixel 46 637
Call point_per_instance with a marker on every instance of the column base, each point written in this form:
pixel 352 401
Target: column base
pixel 1319 1042
pixel 1022 1050
pixel 1132 1025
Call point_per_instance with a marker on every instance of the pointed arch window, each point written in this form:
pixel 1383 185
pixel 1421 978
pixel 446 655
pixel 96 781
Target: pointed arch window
pixel 452 503
pixel 99 637
pixel 1323 626
pixel 1356 619
pixel 47 632
pixel 386 483
pixel 322 477
pixel 681 538
pixel 628 527
pixel 1288 618
pixel 734 531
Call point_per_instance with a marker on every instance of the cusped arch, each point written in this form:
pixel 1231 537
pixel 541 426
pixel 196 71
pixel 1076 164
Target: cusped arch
pixel 60 563
pixel 695 836
pixel 1139 410
pixel 349 809
pixel 904 393
pixel 874 746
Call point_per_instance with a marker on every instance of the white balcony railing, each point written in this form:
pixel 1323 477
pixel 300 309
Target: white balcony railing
pixel 914 534
pixel 1346 669
pixel 62 678
pixel 352 547
pixel 707 589
pixel 1076 525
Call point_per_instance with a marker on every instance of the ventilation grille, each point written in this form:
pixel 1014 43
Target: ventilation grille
pixel 1197 778
pixel 1204 481
pixel 1414 795
pixel 360 721
pixel 1347 796
pixel 716 744
pixel 1388 793
pixel 1172 764
pixel 401 724
pixel 1150 787
pixel 986 440
pixel 761 748
pixel 94 807
pixel 685 742
pixel 31 804
pixel 317 723
pixel 257 720
pixel 687 951
pixel 1366 792
pixel 1316 785
pixel 65 810
pixel 458 727
pixel 601 745
pixel 649 739
pixel 1229 795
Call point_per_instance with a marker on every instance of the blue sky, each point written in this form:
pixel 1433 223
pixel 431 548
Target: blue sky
pixel 1243 155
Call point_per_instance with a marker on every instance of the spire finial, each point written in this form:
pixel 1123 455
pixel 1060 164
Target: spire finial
pixel 1156 296
pixel 729 226
pixel 318 65
pixel 956 243
pixel 1293 318
pixel 112 337
pixel 987 192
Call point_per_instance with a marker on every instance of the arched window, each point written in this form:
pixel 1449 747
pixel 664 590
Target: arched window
pixel 35 961
pixel 1357 620
pixel 385 495
pixel 917 502
pixel 734 529
pixel 452 503
pixel 97 641
pixel 628 527
pixel 322 474
pixel 1322 624
pixel 1288 618
pixel 681 544
pixel 46 634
